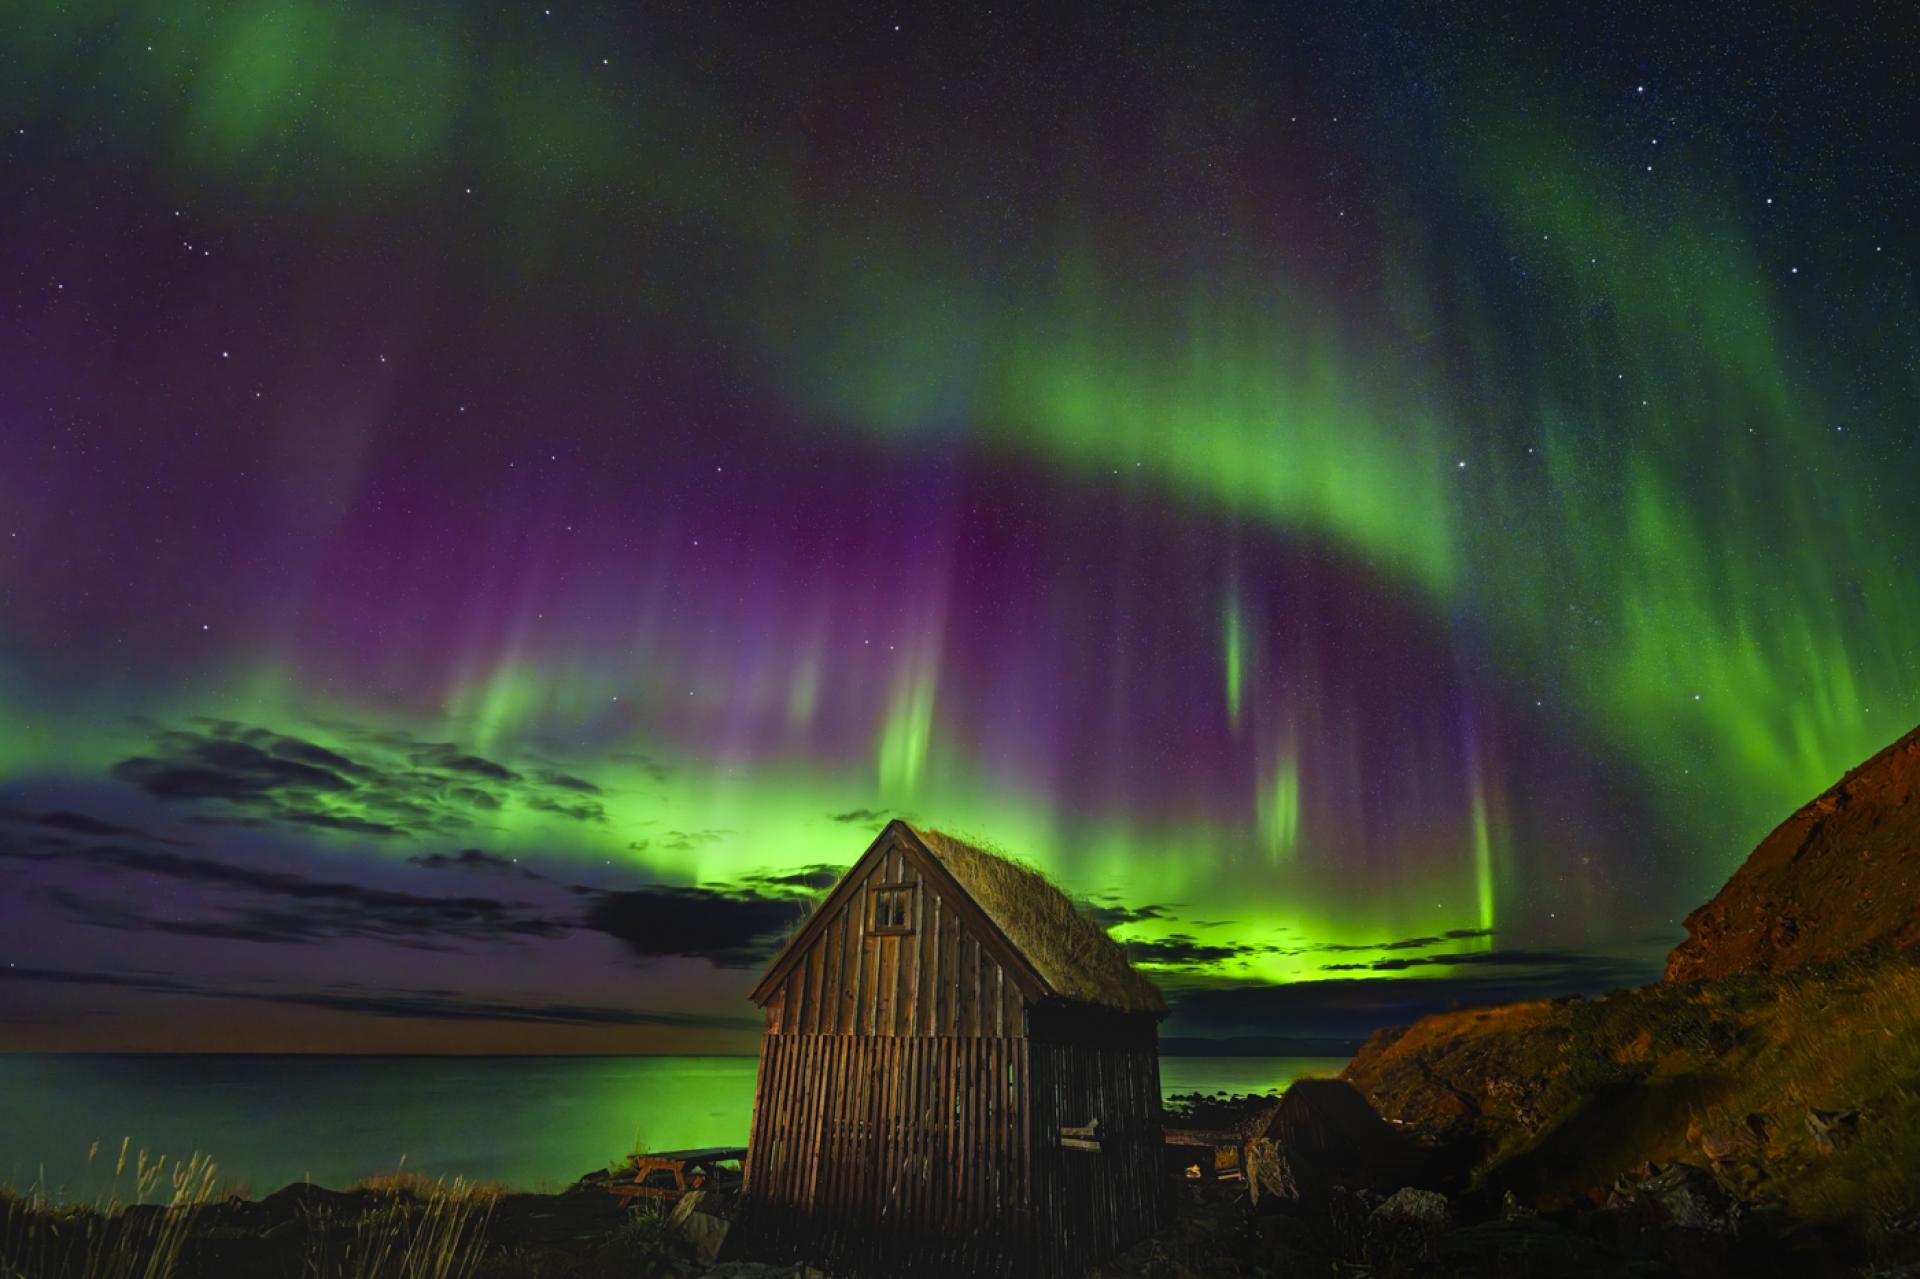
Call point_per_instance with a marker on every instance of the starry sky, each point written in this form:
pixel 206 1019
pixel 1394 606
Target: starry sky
pixel 499 503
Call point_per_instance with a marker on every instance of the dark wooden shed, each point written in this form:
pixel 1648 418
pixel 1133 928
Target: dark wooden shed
pixel 959 1071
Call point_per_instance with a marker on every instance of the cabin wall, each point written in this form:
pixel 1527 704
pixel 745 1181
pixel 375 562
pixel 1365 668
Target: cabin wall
pixel 1089 1202
pixel 893 1079
pixel 872 1148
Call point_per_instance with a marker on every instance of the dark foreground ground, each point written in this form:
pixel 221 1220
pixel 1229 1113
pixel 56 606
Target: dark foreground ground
pixel 1324 1197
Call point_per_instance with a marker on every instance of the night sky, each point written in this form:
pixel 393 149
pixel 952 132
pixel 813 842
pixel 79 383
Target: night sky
pixel 498 504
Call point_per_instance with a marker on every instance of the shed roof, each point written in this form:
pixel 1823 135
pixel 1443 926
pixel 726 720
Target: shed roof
pixel 1072 954
pixel 1066 954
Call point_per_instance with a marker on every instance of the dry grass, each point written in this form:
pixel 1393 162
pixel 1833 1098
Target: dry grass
pixel 42 1237
pixel 1072 953
pixel 417 1229
pixel 407 1226
pixel 408 1181
pixel 1569 1094
pixel 1841 1037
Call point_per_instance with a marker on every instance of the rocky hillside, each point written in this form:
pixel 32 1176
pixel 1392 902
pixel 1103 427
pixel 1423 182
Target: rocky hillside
pixel 1840 874
pixel 1802 1089
pixel 1782 1056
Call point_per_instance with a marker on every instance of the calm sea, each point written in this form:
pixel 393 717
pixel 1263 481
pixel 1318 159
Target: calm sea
pixel 531 1122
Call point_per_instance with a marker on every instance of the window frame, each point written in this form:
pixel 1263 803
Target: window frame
pixel 907 890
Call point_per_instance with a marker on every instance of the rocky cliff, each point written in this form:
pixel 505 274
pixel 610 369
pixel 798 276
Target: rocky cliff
pixel 1782 1054
pixel 1841 874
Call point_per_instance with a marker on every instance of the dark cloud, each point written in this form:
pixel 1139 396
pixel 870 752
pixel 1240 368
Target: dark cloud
pixel 326 908
pixel 1351 1008
pixel 340 821
pixel 806 881
pixel 430 1005
pixel 1183 951
pixel 652 768
pixel 438 1007
pixel 1563 959
pixel 1110 913
pixel 582 810
pixel 379 783
pixel 473 859
pixel 731 928
pixel 861 816
pixel 83 824
pixel 1403 943
pixel 685 841
pixel 211 768
pixel 567 782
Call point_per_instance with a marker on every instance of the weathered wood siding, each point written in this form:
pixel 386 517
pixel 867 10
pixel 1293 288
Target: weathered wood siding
pixel 1093 1201
pixel 924 1145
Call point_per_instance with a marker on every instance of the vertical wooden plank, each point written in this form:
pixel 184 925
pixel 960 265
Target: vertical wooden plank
pixel 886 983
pixel 832 945
pixel 876 1050
pixel 846 1101
pixel 913 1016
pixel 859 1156
pixel 929 1135
pixel 982 1129
pixel 807 1022
pixel 769 1123
pixel 849 967
pixel 908 1022
pixel 939 1010
pixel 832 1125
pixel 758 1124
pixel 966 1014
pixel 795 1003
pixel 963 1086
pixel 901 1192
pixel 951 1122
pixel 819 1071
pixel 884 1147
pixel 1023 1125
pixel 995 1079
pixel 978 986
pixel 943 988
pixel 797 1066
pixel 794 1071
pixel 832 1094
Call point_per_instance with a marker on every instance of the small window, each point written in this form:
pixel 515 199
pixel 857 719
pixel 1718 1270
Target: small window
pixel 892 909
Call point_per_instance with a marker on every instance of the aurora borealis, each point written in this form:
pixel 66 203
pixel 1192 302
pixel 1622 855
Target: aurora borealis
pixel 1388 509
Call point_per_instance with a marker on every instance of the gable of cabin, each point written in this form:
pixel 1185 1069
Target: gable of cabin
pixel 901 951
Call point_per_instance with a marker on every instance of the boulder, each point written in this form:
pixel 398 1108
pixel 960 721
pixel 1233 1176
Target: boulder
pixel 1683 1196
pixel 1732 1143
pixel 1322 1132
pixel 1832 1130
pixel 1410 1206
pixel 706 1231
pixel 1272 1173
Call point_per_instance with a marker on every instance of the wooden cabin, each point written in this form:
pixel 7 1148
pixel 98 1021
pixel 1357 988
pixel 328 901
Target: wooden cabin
pixel 960 1072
